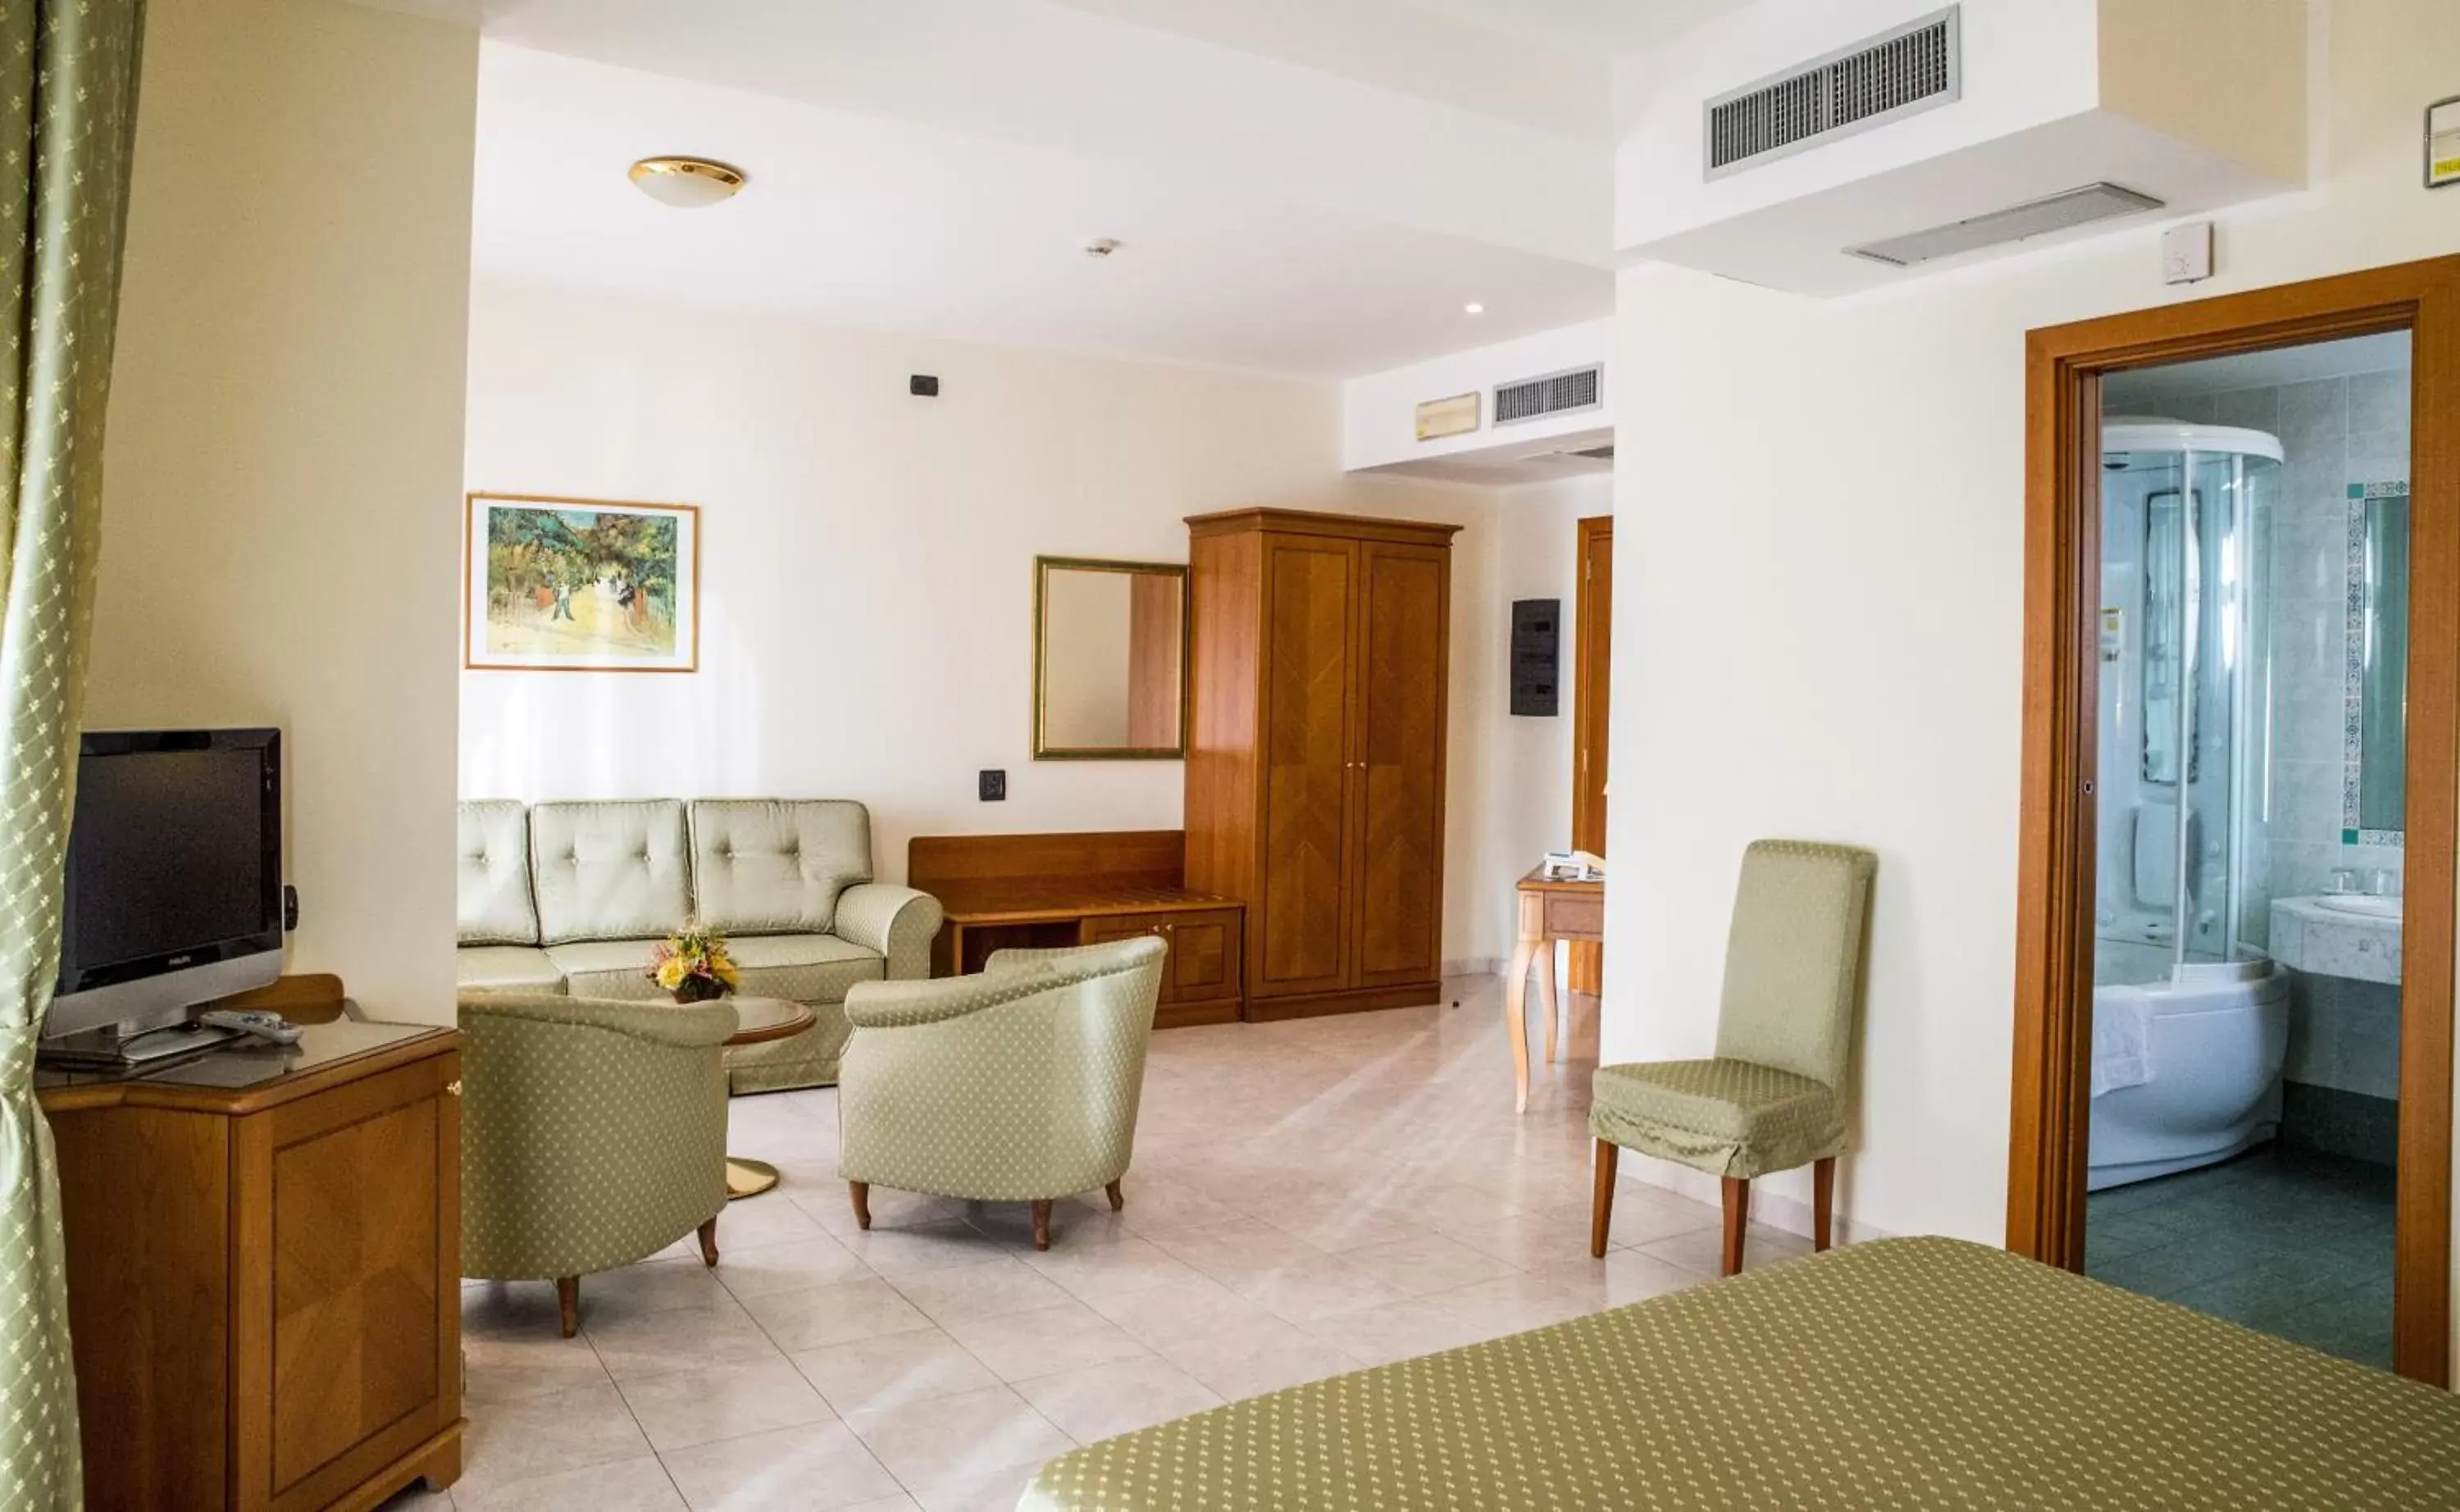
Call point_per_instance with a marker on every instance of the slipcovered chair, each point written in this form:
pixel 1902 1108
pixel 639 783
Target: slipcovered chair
pixel 593 1135
pixel 1018 1084
pixel 1772 1097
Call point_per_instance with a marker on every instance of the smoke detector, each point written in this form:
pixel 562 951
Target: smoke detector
pixel 1101 247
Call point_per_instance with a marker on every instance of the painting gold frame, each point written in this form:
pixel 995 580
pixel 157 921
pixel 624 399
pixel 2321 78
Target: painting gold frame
pixel 1043 749
pixel 475 657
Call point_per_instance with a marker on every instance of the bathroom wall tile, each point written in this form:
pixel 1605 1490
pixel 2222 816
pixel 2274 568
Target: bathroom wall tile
pixel 2379 401
pixel 2309 1057
pixel 2255 408
pixel 2195 407
pixel 2306 802
pixel 2316 479
pixel 2302 868
pixel 2310 559
pixel 2313 415
pixel 2378 458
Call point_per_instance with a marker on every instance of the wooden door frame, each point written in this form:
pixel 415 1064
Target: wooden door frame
pixel 2051 1105
pixel 1591 658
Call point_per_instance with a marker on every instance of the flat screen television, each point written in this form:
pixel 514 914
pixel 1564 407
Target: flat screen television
pixel 174 880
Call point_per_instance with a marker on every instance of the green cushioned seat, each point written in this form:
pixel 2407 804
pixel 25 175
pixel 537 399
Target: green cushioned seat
pixel 1732 1116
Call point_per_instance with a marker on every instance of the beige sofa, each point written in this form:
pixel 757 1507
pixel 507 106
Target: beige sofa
pixel 570 897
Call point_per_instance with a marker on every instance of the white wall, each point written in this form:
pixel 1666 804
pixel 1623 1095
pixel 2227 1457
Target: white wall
pixel 1819 609
pixel 283 449
pixel 867 563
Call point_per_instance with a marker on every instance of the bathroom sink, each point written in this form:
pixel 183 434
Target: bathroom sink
pixel 2360 902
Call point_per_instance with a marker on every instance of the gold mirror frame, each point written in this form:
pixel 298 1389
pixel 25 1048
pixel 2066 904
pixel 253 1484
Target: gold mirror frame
pixel 1043 567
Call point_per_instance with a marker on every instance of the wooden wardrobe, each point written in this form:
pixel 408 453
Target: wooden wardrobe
pixel 1315 762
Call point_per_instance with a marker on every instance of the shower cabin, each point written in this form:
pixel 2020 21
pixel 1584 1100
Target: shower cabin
pixel 2190 1015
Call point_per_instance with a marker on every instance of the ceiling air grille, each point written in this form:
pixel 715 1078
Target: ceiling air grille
pixel 1553 393
pixel 1895 73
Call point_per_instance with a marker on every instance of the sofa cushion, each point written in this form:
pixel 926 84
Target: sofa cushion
pixel 507 968
pixel 763 866
pixel 494 894
pixel 609 871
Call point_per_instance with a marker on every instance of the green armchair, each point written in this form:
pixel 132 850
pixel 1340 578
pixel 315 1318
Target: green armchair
pixel 1016 1085
pixel 593 1134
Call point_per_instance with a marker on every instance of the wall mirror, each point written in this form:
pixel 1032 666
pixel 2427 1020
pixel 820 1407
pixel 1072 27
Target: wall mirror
pixel 1110 659
pixel 2379 665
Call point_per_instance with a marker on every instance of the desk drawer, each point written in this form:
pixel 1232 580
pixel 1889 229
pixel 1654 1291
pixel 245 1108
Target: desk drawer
pixel 1572 916
pixel 1205 949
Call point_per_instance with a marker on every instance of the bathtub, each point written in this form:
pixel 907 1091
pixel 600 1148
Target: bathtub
pixel 2216 1037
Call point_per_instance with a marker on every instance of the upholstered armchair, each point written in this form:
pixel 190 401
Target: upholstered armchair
pixel 1018 1084
pixel 1773 1096
pixel 593 1134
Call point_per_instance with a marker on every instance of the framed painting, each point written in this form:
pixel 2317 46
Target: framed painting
pixel 580 585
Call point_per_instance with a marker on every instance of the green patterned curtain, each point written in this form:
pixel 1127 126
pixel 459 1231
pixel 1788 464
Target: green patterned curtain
pixel 68 121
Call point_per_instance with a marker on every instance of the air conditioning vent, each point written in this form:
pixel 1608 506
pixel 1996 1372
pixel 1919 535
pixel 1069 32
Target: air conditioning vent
pixel 1895 73
pixel 2058 212
pixel 1553 393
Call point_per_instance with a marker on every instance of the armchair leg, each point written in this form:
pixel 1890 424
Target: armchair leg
pixel 708 1243
pixel 1738 1217
pixel 567 1302
pixel 1823 1191
pixel 1041 1224
pixel 1117 1200
pixel 860 1192
pixel 1601 1199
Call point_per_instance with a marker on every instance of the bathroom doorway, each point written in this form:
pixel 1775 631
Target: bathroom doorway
pixel 2234 1006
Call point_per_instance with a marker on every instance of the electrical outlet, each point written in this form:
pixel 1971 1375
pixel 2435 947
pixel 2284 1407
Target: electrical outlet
pixel 923 385
pixel 994 785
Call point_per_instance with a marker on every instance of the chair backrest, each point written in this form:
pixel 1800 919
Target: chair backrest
pixel 773 867
pixel 1793 955
pixel 610 871
pixel 492 898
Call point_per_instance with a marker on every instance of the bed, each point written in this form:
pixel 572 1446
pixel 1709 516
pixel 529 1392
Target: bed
pixel 1905 1373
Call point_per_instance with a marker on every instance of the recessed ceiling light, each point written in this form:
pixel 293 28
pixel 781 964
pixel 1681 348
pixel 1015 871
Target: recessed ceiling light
pixel 1472 308
pixel 687 184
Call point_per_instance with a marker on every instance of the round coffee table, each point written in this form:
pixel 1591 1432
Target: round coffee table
pixel 758 1020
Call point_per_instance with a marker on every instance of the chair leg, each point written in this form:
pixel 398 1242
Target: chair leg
pixel 1117 1200
pixel 1823 1192
pixel 1738 1217
pixel 1601 1200
pixel 1041 1224
pixel 860 1192
pixel 708 1243
pixel 567 1302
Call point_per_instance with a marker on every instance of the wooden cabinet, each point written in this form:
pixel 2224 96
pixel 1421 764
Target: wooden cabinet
pixel 1315 770
pixel 265 1281
pixel 1202 972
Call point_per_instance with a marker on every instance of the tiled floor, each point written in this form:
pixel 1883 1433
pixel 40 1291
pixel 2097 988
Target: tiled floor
pixel 1308 1197
pixel 2297 1245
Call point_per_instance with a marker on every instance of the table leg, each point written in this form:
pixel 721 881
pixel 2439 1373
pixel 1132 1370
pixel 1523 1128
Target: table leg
pixel 1549 1000
pixel 748 1177
pixel 1515 1001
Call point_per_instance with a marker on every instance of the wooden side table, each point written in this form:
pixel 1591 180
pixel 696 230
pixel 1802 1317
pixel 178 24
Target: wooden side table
pixel 1552 908
pixel 758 1020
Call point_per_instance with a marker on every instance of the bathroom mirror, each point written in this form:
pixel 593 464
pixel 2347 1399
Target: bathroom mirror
pixel 1110 659
pixel 2379 661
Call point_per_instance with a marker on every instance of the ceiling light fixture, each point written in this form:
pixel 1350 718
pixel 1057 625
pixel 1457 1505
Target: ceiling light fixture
pixel 1472 308
pixel 687 184
pixel 1101 247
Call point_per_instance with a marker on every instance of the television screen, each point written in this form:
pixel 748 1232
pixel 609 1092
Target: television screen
pixel 173 854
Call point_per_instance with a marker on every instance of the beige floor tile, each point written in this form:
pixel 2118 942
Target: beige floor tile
pixel 653 1286
pixel 1179 1310
pixel 900 1502
pixel 537 1435
pixel 1314 1288
pixel 816 1469
pixel 767 1219
pixel 1643 1218
pixel 892 1370
pixel 1249 1362
pixel 1702 1250
pixel 831 1207
pixel 1429 1263
pixel 1103 1401
pixel 626 1485
pixel 952 1437
pixel 1157 1207
pixel 679 1408
pixel 995 1287
pixel 861 1308
pixel 1076 1223
pixel 503 1369
pixel 1345 1226
pixel 1020 1345
pixel 1396 1331
pixel 911 1252
pixel 1527 1237
pixel 689 1338
pixel 1236 1251
pixel 799 1265
pixel 1624 1276
pixel 1119 1267
pixel 990 1491
pixel 510 1310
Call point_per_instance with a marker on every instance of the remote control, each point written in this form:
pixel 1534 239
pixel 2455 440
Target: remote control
pixel 264 1026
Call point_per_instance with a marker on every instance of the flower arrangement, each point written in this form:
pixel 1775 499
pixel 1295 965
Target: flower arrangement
pixel 692 964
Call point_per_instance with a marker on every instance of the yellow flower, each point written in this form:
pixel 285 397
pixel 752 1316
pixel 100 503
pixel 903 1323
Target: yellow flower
pixel 723 970
pixel 672 972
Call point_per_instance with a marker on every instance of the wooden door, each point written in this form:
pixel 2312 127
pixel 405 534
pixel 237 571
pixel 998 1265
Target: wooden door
pixel 1397 903
pixel 1592 687
pixel 1301 914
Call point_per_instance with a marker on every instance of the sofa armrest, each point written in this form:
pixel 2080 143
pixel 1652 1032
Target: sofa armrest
pixel 897 921
pixel 902 1005
pixel 687 1025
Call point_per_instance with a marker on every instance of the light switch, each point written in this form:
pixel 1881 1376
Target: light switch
pixel 2187 253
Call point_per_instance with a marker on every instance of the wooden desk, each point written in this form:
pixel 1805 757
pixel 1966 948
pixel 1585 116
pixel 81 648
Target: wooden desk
pixel 1551 909
pixel 264 1281
pixel 1047 891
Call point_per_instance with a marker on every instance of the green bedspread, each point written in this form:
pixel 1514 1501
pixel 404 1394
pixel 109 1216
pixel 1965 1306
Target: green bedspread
pixel 1907 1373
